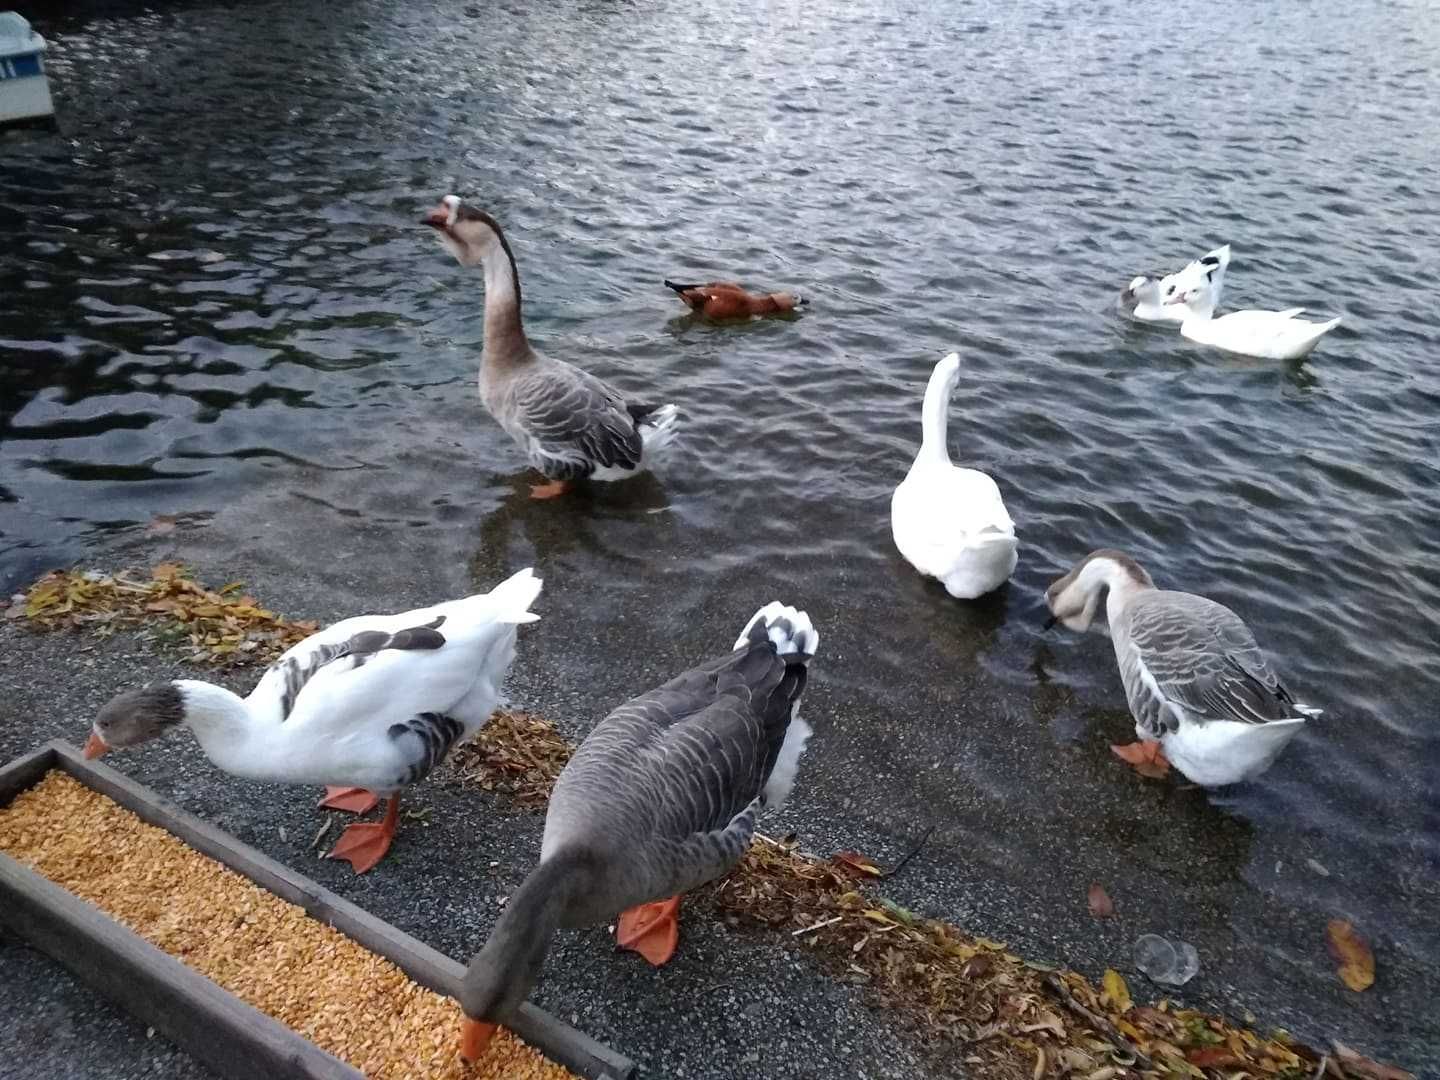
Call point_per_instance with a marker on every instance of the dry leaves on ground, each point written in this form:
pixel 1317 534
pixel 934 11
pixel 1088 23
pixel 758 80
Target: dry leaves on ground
pixel 1352 953
pixel 222 626
pixel 515 754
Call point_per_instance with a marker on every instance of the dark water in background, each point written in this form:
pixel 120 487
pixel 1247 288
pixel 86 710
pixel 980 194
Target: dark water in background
pixel 213 285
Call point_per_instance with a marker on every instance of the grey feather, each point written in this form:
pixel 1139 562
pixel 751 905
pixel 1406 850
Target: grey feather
pixel 299 669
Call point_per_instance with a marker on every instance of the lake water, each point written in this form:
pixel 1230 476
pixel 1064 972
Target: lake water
pixel 214 287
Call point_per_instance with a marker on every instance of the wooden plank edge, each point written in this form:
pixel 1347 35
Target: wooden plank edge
pixel 25 772
pixel 207 1021
pixel 429 967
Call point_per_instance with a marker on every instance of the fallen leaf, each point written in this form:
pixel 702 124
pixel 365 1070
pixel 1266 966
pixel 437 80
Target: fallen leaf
pixel 1363 1067
pixel 162 524
pixel 977 967
pixel 1116 990
pixel 854 862
pixel 1352 953
pixel 1101 906
pixel 1144 758
pixel 1214 1057
pixel 1318 867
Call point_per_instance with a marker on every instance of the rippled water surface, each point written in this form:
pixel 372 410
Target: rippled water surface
pixel 213 285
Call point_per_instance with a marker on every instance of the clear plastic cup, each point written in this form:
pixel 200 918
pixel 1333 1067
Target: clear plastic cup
pixel 1173 963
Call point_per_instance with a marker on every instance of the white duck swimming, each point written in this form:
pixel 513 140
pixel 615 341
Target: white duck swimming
pixel 1145 298
pixel 951 523
pixel 1270 335
pixel 1195 679
pixel 571 425
pixel 660 798
pixel 367 706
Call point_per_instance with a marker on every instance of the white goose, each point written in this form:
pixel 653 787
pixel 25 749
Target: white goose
pixel 951 523
pixel 1145 298
pixel 571 425
pixel 1196 681
pixel 1271 335
pixel 660 798
pixel 367 706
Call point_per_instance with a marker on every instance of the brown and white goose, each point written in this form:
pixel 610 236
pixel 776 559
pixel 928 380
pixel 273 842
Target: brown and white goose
pixel 571 425
pixel 660 798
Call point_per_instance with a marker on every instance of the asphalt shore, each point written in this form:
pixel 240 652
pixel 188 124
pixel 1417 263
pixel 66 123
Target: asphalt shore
pixel 734 1003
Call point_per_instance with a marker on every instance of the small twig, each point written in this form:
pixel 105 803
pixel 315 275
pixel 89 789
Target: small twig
pixel 817 926
pixel 321 834
pixel 908 855
pixel 1057 986
pixel 1324 1064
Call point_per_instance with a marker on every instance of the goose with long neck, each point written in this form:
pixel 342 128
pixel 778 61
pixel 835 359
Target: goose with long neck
pixel 366 707
pixel 1203 694
pixel 571 425
pixel 951 523
pixel 662 797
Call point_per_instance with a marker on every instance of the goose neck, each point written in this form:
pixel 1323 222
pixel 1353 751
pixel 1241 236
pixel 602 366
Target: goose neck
pixel 219 718
pixel 935 415
pixel 504 332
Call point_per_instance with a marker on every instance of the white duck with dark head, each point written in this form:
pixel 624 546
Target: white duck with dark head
pixel 1145 298
pixel 571 425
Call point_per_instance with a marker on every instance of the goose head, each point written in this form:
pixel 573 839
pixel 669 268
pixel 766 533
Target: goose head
pixel 136 716
pixel 1075 598
pixel 1144 289
pixel 1197 296
pixel 467 233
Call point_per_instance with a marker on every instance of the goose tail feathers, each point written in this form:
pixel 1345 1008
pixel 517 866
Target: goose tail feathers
pixel 788 628
pixel 657 430
pixel 510 600
pixel 682 289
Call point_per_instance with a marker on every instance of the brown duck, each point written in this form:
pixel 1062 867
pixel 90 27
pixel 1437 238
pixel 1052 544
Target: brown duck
pixel 727 300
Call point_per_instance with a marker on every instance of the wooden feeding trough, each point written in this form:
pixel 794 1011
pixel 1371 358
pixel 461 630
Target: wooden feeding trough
pixel 215 1026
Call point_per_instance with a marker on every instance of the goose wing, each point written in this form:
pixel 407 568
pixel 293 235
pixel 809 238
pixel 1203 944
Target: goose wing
pixel 575 422
pixel 1201 656
pixel 675 778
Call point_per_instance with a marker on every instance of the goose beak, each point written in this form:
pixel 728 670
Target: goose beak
pixel 95 745
pixel 439 218
pixel 1178 298
pixel 1050 622
pixel 475 1036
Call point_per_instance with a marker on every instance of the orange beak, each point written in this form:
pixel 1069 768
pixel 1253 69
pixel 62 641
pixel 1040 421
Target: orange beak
pixel 438 218
pixel 95 746
pixel 475 1036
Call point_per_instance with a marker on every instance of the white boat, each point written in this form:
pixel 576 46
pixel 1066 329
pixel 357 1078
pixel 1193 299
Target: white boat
pixel 24 87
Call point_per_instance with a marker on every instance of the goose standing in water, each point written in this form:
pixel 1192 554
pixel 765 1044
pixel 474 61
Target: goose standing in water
pixel 367 706
pixel 728 300
pixel 660 798
pixel 1197 683
pixel 1146 297
pixel 951 523
pixel 1270 335
pixel 571 425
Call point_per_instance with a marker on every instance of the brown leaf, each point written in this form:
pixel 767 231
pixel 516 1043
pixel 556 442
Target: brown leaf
pixel 1352 953
pixel 854 862
pixel 1214 1057
pixel 977 967
pixel 1144 758
pixel 1101 906
pixel 1362 1067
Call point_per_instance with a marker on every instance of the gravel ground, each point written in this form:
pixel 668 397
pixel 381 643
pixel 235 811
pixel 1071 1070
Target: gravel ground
pixel 732 1004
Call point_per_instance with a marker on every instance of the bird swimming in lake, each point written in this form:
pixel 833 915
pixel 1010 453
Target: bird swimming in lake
pixel 721 300
pixel 1269 335
pixel 660 798
pixel 367 706
pixel 571 424
pixel 1145 298
pixel 1203 695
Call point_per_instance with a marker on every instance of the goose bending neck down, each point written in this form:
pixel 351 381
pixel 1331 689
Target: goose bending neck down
pixel 1202 692
pixel 1269 335
pixel 571 425
pixel 366 707
pixel 1147 297
pixel 662 797
pixel 951 523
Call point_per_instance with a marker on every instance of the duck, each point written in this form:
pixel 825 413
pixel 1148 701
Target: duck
pixel 572 425
pixel 1204 696
pixel 1269 335
pixel 950 522
pixel 729 300
pixel 661 797
pixel 1145 297
pixel 366 707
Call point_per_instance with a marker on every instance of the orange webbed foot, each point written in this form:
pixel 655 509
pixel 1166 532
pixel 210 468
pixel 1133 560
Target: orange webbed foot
pixel 652 930
pixel 549 490
pixel 364 845
pixel 355 800
pixel 1145 757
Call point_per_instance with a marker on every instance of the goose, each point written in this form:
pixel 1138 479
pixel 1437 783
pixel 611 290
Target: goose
pixel 366 707
pixel 660 798
pixel 1145 297
pixel 571 425
pixel 1270 335
pixel 1196 681
pixel 951 523
pixel 728 300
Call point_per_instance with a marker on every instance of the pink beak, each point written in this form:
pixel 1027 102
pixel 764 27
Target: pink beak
pixel 95 746
pixel 438 218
